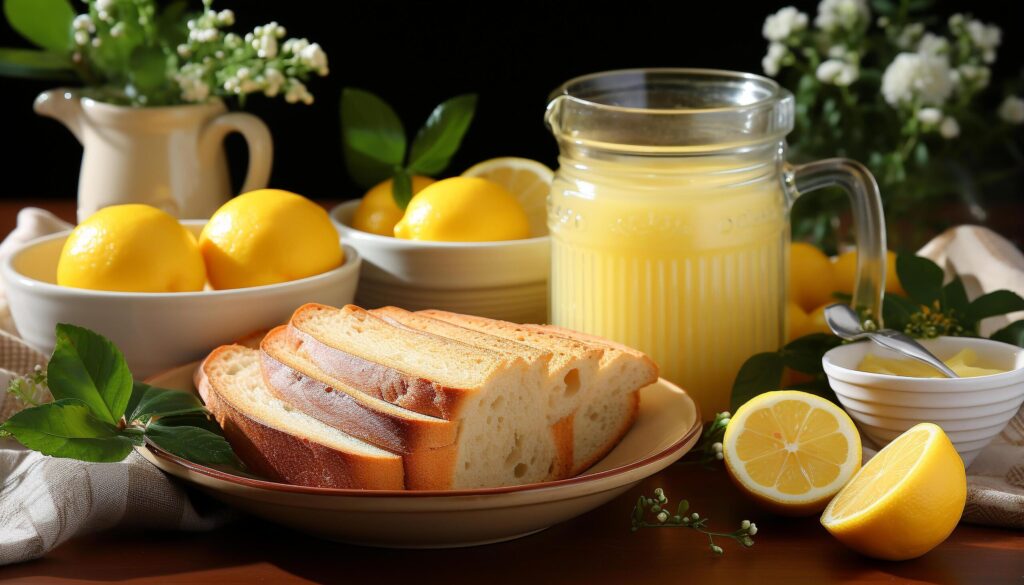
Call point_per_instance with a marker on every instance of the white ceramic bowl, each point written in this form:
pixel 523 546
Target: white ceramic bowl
pixel 972 411
pixel 157 331
pixel 502 280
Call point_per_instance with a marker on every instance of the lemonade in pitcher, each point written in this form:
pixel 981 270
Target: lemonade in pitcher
pixel 669 218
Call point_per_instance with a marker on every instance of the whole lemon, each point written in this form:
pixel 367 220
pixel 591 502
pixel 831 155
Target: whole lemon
pixel 266 237
pixel 797 323
pixel 378 213
pixel 131 248
pixel 464 209
pixel 845 270
pixel 810 276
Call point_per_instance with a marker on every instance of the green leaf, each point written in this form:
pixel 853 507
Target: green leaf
pixel 1012 334
pixel 440 137
pixel 148 69
pixel 192 443
pixel 32 64
pixel 759 374
pixel 920 277
pixel 372 136
pixel 683 508
pixel 149 401
pixel 67 428
pixel 884 7
pixel 954 296
pixel 171 24
pixel 896 311
pixel 87 366
pixel 804 354
pixel 401 188
pixel 998 302
pixel 46 23
pixel 192 420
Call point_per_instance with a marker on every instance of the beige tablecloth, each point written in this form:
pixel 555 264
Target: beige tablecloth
pixel 45 501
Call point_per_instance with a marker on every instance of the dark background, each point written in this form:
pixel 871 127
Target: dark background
pixel 416 54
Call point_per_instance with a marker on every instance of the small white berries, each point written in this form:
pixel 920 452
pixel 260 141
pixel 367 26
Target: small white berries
pixel 662 516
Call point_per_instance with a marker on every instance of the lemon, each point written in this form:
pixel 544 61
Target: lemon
pixel 845 273
pixel 810 276
pixel 463 209
pixel 816 320
pixel 791 451
pixel 131 248
pixel 796 321
pixel 905 501
pixel 266 237
pixel 378 213
pixel 528 180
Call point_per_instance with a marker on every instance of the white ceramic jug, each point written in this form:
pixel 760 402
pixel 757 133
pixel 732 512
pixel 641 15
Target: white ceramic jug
pixel 170 157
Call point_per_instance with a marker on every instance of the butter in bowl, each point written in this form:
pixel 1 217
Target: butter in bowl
pixel 886 394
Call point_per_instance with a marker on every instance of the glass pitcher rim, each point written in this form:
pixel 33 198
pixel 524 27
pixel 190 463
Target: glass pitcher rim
pixel 776 93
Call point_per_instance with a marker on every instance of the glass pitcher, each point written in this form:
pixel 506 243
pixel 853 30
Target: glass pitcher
pixel 669 218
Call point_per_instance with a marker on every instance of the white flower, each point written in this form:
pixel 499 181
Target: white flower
pixel 837 72
pixel 226 17
pixel 297 92
pixel 772 61
pixel 910 35
pixel 104 5
pixel 203 34
pixel 912 75
pixel 976 75
pixel 193 87
pixel 782 24
pixel 117 30
pixel 986 38
pixel 81 38
pixel 1012 110
pixel 931 44
pixel 273 81
pixel 266 46
pixel 96 42
pixel 662 516
pixel 841 14
pixel 294 46
pixel 83 22
pixel 184 51
pixel 949 128
pixel 929 116
pixel 314 57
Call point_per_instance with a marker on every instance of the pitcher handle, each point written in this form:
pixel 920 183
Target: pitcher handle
pixel 869 222
pixel 257 137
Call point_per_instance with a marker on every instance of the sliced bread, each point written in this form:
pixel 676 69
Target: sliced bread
pixel 278 441
pixel 504 434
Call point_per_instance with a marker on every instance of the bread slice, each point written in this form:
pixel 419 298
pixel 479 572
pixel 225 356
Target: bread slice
pixel 504 434
pixel 281 443
pixel 608 407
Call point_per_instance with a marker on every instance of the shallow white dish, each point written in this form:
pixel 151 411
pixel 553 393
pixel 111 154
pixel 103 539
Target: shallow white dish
pixel 667 426
pixel 972 411
pixel 157 331
pixel 502 280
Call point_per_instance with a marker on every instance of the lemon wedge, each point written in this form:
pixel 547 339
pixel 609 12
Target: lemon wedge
pixel 791 451
pixel 905 501
pixel 528 180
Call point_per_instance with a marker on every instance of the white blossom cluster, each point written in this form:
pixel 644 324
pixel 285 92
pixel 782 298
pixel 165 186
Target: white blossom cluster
pixel 848 15
pixel 263 61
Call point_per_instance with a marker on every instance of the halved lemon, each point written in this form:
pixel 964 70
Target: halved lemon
pixel 528 180
pixel 905 501
pixel 791 451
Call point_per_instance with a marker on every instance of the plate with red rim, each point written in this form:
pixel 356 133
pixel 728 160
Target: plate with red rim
pixel 668 425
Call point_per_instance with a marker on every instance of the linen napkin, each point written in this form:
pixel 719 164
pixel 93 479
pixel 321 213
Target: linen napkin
pixel 45 501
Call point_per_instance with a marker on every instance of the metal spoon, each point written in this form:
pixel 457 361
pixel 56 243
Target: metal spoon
pixel 845 323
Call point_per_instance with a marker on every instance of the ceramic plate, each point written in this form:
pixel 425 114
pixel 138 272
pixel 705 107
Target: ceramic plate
pixel 666 428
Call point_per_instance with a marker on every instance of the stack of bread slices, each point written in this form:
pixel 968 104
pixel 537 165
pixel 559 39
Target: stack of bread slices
pixel 431 400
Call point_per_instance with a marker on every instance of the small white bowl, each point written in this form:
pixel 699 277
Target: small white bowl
pixel 972 411
pixel 502 280
pixel 157 331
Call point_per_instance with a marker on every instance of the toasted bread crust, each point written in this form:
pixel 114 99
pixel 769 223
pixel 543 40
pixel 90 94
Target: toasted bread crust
pixel 292 459
pixel 386 383
pixel 348 410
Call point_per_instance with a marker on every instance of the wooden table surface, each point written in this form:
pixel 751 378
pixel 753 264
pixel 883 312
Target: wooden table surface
pixel 597 547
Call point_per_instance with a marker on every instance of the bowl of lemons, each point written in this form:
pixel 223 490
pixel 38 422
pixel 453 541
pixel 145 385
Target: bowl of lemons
pixel 168 291
pixel 476 243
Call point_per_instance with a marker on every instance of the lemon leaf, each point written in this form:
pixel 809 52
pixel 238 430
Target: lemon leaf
pixel 372 136
pixel 401 188
pixel 86 366
pixel 920 277
pixel 997 302
pixel 1012 333
pixel 67 428
pixel 761 373
pixel 441 135
pixel 46 23
pixel 32 64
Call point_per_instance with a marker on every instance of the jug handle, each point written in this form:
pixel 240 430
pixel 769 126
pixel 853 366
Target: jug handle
pixel 61 104
pixel 257 138
pixel 869 221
